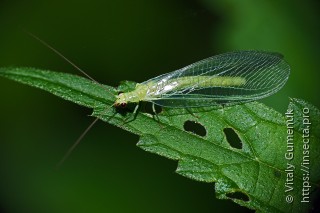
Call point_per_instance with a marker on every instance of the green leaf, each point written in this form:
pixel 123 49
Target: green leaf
pixel 257 171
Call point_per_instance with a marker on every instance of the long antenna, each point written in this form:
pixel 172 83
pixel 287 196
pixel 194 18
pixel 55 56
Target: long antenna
pixel 84 73
pixel 67 154
pixel 76 143
pixel 64 58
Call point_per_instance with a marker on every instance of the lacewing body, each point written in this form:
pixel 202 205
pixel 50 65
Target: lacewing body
pixel 229 78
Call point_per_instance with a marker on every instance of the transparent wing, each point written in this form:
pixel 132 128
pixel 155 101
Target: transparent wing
pixel 228 78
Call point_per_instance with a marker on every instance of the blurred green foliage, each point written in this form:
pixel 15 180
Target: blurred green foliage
pixel 133 40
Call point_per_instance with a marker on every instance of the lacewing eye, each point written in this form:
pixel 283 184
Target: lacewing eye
pixel 123 105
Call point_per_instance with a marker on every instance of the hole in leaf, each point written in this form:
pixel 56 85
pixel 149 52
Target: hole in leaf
pixel 238 195
pixel 147 107
pixel 277 174
pixel 232 138
pixel 195 127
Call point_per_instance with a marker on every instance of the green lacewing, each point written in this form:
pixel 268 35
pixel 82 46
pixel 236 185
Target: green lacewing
pixel 229 78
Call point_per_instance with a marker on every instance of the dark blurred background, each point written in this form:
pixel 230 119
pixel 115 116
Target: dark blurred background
pixel 133 40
